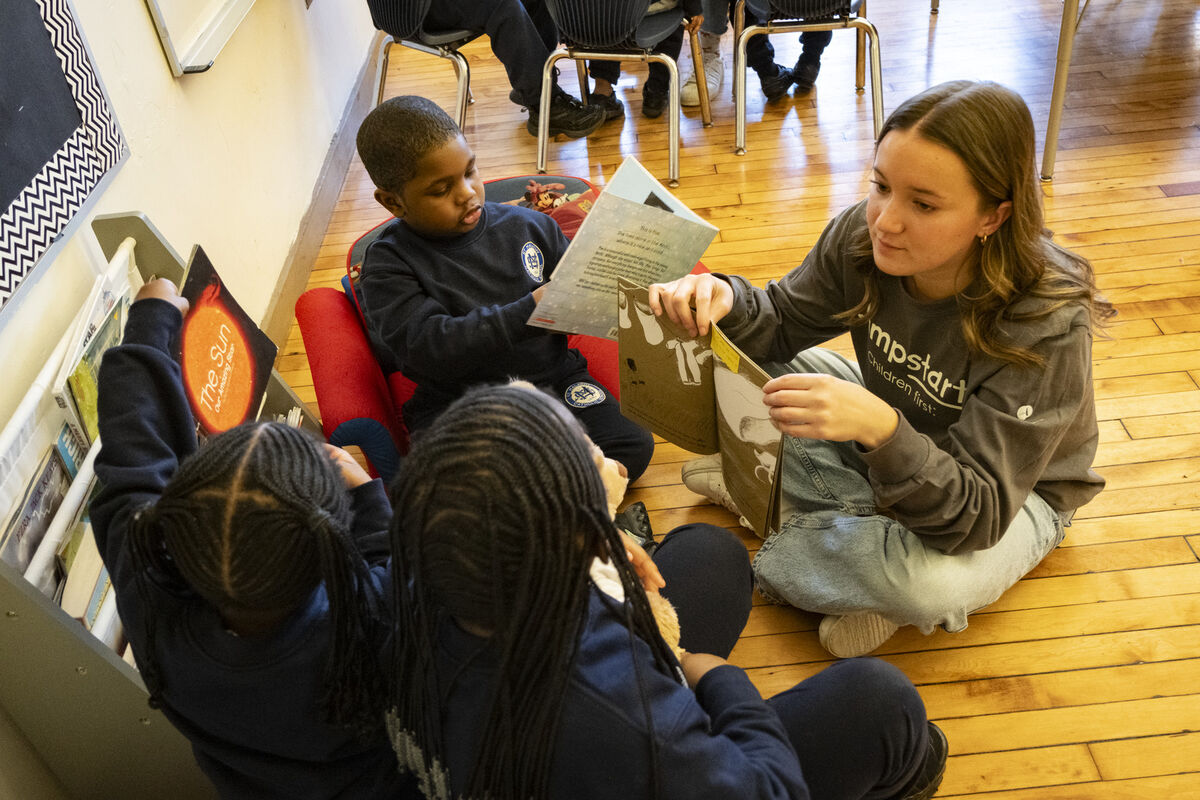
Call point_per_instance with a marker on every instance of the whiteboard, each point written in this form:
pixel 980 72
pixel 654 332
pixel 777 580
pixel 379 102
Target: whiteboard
pixel 194 31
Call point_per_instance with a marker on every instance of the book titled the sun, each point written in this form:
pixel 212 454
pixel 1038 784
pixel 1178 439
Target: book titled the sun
pixel 226 357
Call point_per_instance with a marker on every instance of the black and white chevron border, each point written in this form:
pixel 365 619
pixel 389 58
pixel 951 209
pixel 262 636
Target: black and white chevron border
pixel 41 212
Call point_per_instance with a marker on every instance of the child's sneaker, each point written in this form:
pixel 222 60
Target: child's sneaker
pixel 714 74
pixel 613 108
pixel 777 85
pixel 634 521
pixel 925 783
pixel 653 103
pixel 854 635
pixel 567 116
pixel 704 477
pixel 805 75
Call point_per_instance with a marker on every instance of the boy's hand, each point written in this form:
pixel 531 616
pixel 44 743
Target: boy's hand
pixel 693 25
pixel 163 289
pixel 352 472
pixel 538 292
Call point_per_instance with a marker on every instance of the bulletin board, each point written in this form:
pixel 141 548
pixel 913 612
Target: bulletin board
pixel 59 139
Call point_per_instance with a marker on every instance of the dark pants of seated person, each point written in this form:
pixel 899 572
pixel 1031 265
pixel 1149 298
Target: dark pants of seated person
pixel 521 33
pixel 709 581
pixel 658 81
pixel 760 55
pixel 858 726
pixel 600 413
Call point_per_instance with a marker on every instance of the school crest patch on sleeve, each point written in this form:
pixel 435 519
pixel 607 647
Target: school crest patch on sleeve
pixel 533 260
pixel 582 394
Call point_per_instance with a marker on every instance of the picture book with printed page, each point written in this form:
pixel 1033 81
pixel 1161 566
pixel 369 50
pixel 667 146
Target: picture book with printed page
pixel 703 394
pixel 226 358
pixel 31 517
pixel 637 230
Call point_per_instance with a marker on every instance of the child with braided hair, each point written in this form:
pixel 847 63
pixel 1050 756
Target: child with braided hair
pixel 251 578
pixel 523 679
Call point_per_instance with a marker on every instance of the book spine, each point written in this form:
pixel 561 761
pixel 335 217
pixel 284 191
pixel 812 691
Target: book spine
pixel 62 396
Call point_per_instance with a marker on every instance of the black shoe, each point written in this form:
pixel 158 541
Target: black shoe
pixel 805 75
pixel 567 116
pixel 653 103
pixel 777 85
pixel 925 783
pixel 635 522
pixel 515 97
pixel 613 108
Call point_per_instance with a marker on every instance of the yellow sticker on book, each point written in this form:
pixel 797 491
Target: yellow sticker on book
pixel 724 350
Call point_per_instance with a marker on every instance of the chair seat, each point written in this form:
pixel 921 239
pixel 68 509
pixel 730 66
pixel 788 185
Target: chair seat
pixel 655 27
pixel 454 39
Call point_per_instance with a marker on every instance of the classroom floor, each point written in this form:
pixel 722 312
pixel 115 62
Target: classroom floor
pixel 1083 681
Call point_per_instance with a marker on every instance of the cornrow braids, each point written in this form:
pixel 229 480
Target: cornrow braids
pixel 254 521
pixel 500 511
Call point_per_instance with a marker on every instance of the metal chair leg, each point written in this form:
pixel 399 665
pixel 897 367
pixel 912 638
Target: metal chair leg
pixel 739 86
pixel 544 108
pixel 1058 96
pixel 672 117
pixel 701 80
pixel 385 50
pixel 865 28
pixel 462 73
pixel 584 86
pixel 739 22
pixel 860 42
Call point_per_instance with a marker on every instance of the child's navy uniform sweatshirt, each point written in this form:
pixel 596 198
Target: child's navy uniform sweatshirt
pixel 246 704
pixel 453 311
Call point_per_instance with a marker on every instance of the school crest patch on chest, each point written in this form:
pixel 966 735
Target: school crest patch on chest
pixel 533 260
pixel 582 394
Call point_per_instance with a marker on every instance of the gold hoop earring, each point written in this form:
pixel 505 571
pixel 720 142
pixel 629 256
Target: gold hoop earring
pixel 983 239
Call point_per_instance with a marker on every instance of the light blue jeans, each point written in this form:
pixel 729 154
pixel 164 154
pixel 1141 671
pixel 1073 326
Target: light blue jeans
pixel 834 554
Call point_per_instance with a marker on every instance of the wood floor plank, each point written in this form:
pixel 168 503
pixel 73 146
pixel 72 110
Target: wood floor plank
pixel 1079 687
pixel 1184 786
pixel 1058 726
pixel 1017 770
pixel 1145 756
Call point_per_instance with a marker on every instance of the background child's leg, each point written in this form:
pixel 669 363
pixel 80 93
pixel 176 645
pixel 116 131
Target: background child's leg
pixel 859 729
pixel 658 81
pixel 709 583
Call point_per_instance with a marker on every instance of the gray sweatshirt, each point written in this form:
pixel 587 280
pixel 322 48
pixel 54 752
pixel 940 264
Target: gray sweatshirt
pixel 976 435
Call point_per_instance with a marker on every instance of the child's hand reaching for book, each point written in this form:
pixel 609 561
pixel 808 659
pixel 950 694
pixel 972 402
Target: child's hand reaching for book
pixel 816 406
pixel 693 301
pixel 352 472
pixel 163 289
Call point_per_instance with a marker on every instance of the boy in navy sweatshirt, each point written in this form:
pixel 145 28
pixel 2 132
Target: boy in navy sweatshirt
pixel 447 288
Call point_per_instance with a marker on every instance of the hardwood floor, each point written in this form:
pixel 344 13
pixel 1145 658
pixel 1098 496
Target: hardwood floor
pixel 1083 681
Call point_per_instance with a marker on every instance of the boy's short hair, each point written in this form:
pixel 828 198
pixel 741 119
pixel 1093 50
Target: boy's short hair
pixel 397 134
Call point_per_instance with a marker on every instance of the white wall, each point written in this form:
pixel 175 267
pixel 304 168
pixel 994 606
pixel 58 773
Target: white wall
pixel 226 158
